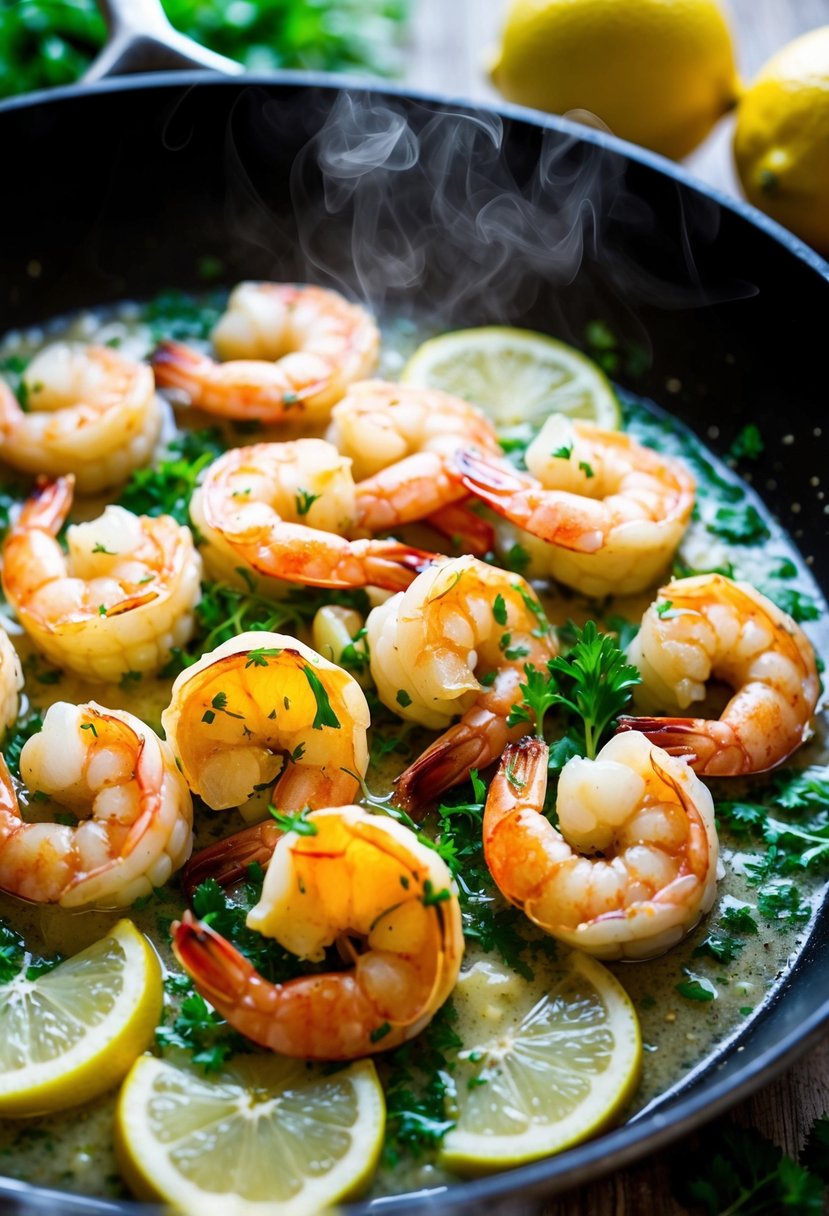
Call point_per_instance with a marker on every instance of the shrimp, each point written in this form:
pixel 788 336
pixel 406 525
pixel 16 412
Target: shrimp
pixel 121 782
pixel 292 351
pixel 121 598
pixel 648 816
pixel 277 511
pixel 601 513
pixel 709 627
pixel 266 710
pixel 90 411
pixel 401 441
pixel 455 643
pixel 366 884
pixel 11 682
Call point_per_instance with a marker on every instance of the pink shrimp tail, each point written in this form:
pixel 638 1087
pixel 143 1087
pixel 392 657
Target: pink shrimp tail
pixel 392 565
pixel 176 365
pixel 227 861
pixel 48 505
pixel 488 478
pixel 457 521
pixel 219 971
pixel 711 748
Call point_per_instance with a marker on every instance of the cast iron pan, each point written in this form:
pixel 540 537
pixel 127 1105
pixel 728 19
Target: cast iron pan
pixel 476 215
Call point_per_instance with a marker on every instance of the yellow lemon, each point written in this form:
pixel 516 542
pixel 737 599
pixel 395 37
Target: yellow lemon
pixel 74 1032
pixel 781 143
pixel 657 72
pixel 265 1136
pixel 547 1062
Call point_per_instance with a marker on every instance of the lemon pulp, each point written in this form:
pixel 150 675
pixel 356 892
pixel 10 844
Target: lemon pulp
pixel 73 1032
pixel 545 1065
pixel 265 1131
pixel 516 376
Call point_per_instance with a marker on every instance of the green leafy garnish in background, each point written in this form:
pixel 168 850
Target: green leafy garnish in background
pixel 51 42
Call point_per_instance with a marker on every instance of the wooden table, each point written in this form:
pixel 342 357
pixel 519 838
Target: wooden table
pixel 448 51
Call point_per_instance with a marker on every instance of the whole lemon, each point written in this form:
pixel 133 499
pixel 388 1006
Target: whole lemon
pixel 657 72
pixel 781 143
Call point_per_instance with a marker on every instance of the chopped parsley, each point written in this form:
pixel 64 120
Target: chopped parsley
pixel 304 500
pixel 167 487
pixel 324 715
pixel 740 524
pixel 294 822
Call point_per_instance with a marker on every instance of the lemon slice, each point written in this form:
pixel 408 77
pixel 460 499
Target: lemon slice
pixel 73 1033
pixel 515 376
pixel 544 1064
pixel 265 1134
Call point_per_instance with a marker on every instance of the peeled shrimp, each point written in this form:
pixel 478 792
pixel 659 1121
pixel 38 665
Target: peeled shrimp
pixel 279 511
pixel 11 681
pixel 266 710
pixel 366 884
pixel 121 782
pixel 90 411
pixel 709 627
pixel 633 863
pixel 120 599
pixel 455 644
pixel 401 441
pixel 292 351
pixel 599 511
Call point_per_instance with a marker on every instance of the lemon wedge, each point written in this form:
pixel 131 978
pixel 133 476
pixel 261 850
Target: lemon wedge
pixel 515 376
pixel 265 1134
pixel 73 1032
pixel 544 1065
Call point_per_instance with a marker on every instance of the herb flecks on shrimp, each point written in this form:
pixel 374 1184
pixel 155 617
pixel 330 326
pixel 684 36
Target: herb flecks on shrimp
pixel 290 353
pixel 598 511
pixel 120 600
pixel 389 902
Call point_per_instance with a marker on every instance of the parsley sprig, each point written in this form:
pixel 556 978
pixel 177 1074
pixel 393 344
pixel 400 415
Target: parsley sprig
pixel 736 1170
pixel 592 683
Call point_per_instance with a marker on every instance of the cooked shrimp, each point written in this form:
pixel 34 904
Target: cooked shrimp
pixel 455 644
pixel 121 782
pixel 292 351
pixel 90 411
pixel 600 512
pixel 647 815
pixel 11 681
pixel 710 627
pixel 120 599
pixel 266 710
pixel 278 512
pixel 366 884
pixel 401 441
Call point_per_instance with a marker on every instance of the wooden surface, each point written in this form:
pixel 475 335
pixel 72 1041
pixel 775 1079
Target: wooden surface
pixel 448 53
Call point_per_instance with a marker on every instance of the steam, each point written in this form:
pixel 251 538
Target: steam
pixel 423 204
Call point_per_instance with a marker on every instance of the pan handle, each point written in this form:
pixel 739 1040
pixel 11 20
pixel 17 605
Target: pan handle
pixel 141 39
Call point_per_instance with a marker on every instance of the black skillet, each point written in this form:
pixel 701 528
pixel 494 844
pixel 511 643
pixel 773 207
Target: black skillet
pixel 471 214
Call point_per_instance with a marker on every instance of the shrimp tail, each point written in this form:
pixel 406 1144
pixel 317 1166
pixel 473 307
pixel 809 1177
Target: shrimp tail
pixel 472 743
pixel 712 748
pixel 228 860
pixel 459 523
pixel 176 365
pixel 221 973
pixel 392 565
pixel 48 505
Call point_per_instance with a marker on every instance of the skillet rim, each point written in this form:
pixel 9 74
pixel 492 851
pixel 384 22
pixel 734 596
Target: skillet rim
pixel 699 1100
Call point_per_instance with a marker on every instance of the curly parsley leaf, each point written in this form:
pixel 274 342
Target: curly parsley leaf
pixel 592 683
pixel 735 1170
